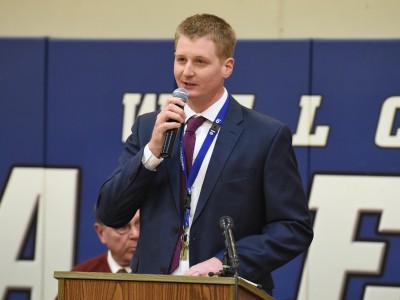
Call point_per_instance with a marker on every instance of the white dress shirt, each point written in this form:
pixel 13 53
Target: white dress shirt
pixel 114 266
pixel 151 162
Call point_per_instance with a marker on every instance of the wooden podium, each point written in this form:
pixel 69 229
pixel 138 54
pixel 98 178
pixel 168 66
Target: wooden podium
pixel 109 286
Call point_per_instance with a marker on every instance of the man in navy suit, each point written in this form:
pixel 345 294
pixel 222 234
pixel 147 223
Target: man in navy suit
pixel 244 167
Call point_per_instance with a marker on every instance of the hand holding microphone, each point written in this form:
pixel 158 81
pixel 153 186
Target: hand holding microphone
pixel 170 134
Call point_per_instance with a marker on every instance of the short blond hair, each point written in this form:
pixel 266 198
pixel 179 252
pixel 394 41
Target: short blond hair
pixel 221 33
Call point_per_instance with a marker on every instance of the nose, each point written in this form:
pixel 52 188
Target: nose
pixel 134 232
pixel 188 70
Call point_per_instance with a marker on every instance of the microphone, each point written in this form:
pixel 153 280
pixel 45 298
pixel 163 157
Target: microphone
pixel 226 224
pixel 170 135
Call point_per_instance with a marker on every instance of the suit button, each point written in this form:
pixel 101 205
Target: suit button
pixel 175 230
pixel 163 270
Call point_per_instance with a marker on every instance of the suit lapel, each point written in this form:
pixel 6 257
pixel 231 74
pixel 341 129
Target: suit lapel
pixel 227 138
pixel 173 172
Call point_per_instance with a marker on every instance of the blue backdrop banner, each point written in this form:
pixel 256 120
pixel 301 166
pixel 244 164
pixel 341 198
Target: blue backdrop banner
pixel 66 107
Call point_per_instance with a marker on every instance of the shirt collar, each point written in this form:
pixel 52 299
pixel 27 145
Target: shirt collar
pixel 114 266
pixel 210 113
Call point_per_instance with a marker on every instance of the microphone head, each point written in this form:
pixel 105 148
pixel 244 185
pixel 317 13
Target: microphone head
pixel 226 222
pixel 181 93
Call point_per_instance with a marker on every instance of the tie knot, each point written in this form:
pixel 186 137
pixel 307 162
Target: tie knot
pixel 194 123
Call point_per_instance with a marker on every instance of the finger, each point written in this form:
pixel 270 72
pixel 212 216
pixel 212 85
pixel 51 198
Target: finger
pixel 192 273
pixel 171 102
pixel 174 115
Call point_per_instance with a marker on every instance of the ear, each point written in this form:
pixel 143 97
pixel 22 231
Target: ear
pixel 228 67
pixel 99 228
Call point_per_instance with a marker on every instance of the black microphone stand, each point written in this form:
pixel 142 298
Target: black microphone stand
pixel 227 272
pixel 235 269
pixel 226 266
pixel 230 260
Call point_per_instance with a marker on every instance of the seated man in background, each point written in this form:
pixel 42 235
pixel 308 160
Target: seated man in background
pixel 121 243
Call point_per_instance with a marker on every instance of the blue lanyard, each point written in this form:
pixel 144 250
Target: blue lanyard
pixel 212 132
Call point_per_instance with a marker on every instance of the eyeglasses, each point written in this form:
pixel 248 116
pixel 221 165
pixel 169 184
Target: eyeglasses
pixel 124 229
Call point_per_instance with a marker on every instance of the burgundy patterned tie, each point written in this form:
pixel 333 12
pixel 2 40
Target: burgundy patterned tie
pixel 189 140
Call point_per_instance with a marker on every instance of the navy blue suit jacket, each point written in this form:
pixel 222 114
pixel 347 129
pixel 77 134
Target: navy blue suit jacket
pixel 252 177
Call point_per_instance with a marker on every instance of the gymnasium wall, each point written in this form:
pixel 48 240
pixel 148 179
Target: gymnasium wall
pixel 66 106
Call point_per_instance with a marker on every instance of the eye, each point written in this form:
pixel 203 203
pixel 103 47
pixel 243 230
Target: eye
pixel 180 59
pixel 123 229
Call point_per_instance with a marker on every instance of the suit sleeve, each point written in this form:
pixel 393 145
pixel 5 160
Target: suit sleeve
pixel 124 191
pixel 287 231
